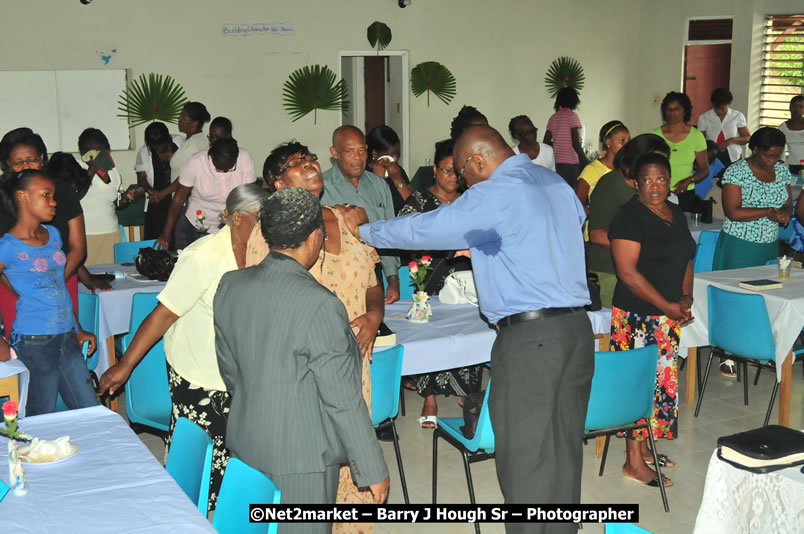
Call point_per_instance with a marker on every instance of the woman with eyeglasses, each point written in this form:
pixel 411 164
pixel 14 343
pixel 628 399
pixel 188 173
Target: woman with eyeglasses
pixel 461 381
pixel 345 266
pixel 526 134
pixel 184 317
pixel 204 183
pixel 652 250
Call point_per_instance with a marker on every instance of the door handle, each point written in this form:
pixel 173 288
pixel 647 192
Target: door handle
pixel 690 78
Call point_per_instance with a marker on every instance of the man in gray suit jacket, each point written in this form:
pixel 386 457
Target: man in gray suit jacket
pixel 292 367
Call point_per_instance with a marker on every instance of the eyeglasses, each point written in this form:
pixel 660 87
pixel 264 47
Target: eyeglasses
pixel 650 181
pixel 21 163
pixel 465 163
pixel 295 162
pixel 446 171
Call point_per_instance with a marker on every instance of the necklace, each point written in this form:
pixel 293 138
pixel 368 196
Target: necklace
pixel 442 199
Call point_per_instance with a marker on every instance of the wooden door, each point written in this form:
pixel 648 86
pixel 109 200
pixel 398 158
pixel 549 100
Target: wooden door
pixel 374 76
pixel 706 67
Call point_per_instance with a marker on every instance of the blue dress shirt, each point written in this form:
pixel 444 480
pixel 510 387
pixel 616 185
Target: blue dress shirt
pixel 523 227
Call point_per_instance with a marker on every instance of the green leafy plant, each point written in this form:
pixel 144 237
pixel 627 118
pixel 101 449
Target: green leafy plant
pixel 312 88
pixel 152 97
pixel 379 35
pixel 564 72
pixel 433 77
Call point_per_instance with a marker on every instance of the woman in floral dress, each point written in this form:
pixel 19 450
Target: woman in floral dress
pixel 652 250
pixel 345 266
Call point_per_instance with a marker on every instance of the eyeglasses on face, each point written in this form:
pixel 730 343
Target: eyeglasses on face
pixel 295 162
pixel 465 163
pixel 446 171
pixel 22 163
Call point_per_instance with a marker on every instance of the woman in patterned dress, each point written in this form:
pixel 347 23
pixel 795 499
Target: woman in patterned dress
pixel 652 250
pixel 464 380
pixel 346 267
pixel 184 317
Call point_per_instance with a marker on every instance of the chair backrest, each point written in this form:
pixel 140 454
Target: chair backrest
pixel 89 319
pixel 243 485
pixel 484 433
pixel 148 399
pixel 125 252
pixel 624 528
pixel 123 234
pixel 386 378
pixel 739 324
pixel 623 387
pixel 405 287
pixel 189 461
pixel 705 252
pixel 786 233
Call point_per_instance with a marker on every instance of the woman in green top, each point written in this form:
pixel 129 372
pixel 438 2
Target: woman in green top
pixel 687 146
pixel 613 190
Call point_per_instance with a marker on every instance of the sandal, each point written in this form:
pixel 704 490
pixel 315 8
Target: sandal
pixel 664 461
pixel 427 421
pixel 727 368
pixel 653 483
pixel 410 385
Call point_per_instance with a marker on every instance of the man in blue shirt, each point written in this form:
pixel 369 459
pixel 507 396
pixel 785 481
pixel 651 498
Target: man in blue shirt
pixel 522 225
pixel 348 182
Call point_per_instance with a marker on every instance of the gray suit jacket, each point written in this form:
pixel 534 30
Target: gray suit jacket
pixel 292 366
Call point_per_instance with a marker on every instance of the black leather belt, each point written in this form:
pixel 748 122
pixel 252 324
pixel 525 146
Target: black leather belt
pixel 531 315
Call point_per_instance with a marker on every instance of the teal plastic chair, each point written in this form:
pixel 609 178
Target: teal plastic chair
pixel 123 234
pixel 623 388
pixel 125 252
pixel 386 379
pixel 88 317
pixel 479 448
pixel 624 528
pixel 785 233
pixel 705 252
pixel 243 485
pixel 739 329
pixel 189 461
pixel 148 402
pixel 405 285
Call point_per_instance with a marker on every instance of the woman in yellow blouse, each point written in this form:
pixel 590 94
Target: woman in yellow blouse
pixel 613 136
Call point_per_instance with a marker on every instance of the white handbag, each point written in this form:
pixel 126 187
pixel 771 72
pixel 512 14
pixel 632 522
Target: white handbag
pixel 459 288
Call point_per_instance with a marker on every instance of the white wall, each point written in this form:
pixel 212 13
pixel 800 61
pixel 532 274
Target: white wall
pixel 498 51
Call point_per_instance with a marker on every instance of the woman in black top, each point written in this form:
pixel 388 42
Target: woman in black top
pixel 652 249
pixel 384 148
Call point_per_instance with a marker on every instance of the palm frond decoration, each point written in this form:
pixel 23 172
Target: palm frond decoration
pixel 433 77
pixel 564 72
pixel 379 35
pixel 312 88
pixel 152 97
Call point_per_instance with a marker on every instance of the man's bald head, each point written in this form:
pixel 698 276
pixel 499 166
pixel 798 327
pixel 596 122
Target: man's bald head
pixel 349 150
pixel 478 152
pixel 346 129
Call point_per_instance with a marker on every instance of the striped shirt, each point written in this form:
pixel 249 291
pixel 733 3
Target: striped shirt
pixel 560 126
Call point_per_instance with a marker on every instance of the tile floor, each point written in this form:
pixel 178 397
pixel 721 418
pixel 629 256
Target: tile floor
pixel 722 413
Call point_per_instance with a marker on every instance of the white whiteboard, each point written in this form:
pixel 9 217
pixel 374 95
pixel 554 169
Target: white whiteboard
pixel 60 104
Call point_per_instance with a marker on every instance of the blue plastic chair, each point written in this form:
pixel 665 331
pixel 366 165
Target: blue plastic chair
pixel 88 317
pixel 405 285
pixel 189 461
pixel 739 329
pixel 705 252
pixel 624 528
pixel 386 379
pixel 623 388
pixel 148 402
pixel 123 234
pixel 786 233
pixel 479 448
pixel 125 252
pixel 243 485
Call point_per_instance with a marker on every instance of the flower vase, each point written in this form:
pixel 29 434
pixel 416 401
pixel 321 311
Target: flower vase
pixel 420 311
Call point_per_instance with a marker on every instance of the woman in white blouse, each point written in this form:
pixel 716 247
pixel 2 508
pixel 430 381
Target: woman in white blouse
pixel 523 131
pixel 193 117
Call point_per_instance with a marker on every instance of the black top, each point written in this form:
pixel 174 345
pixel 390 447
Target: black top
pixel 68 207
pixel 395 196
pixel 666 250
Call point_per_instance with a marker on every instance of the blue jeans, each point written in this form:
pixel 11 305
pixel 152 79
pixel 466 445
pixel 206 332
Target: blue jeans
pixel 56 366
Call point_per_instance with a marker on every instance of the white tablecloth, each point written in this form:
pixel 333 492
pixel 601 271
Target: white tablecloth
pixel 785 307
pixel 456 336
pixel 736 501
pixel 114 484
pixel 714 226
pixel 115 307
pixel 16 367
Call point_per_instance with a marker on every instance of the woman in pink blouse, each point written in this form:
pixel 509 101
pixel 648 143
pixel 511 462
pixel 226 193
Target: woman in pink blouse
pixel 564 135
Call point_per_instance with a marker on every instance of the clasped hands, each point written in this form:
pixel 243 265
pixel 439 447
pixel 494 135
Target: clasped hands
pixel 778 216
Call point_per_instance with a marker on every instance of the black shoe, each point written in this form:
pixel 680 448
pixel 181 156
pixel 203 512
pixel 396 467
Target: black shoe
pixel 385 433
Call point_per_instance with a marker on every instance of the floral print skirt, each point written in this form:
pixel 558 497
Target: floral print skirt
pixel 209 409
pixel 632 331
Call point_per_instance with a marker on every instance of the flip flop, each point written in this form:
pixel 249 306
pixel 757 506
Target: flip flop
pixel 410 385
pixel 427 421
pixel 727 368
pixel 664 461
pixel 653 483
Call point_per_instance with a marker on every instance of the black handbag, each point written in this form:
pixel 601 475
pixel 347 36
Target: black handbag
pixel 593 282
pixel 155 264
pixel 472 404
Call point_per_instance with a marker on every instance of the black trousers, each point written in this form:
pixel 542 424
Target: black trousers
pixel 541 374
